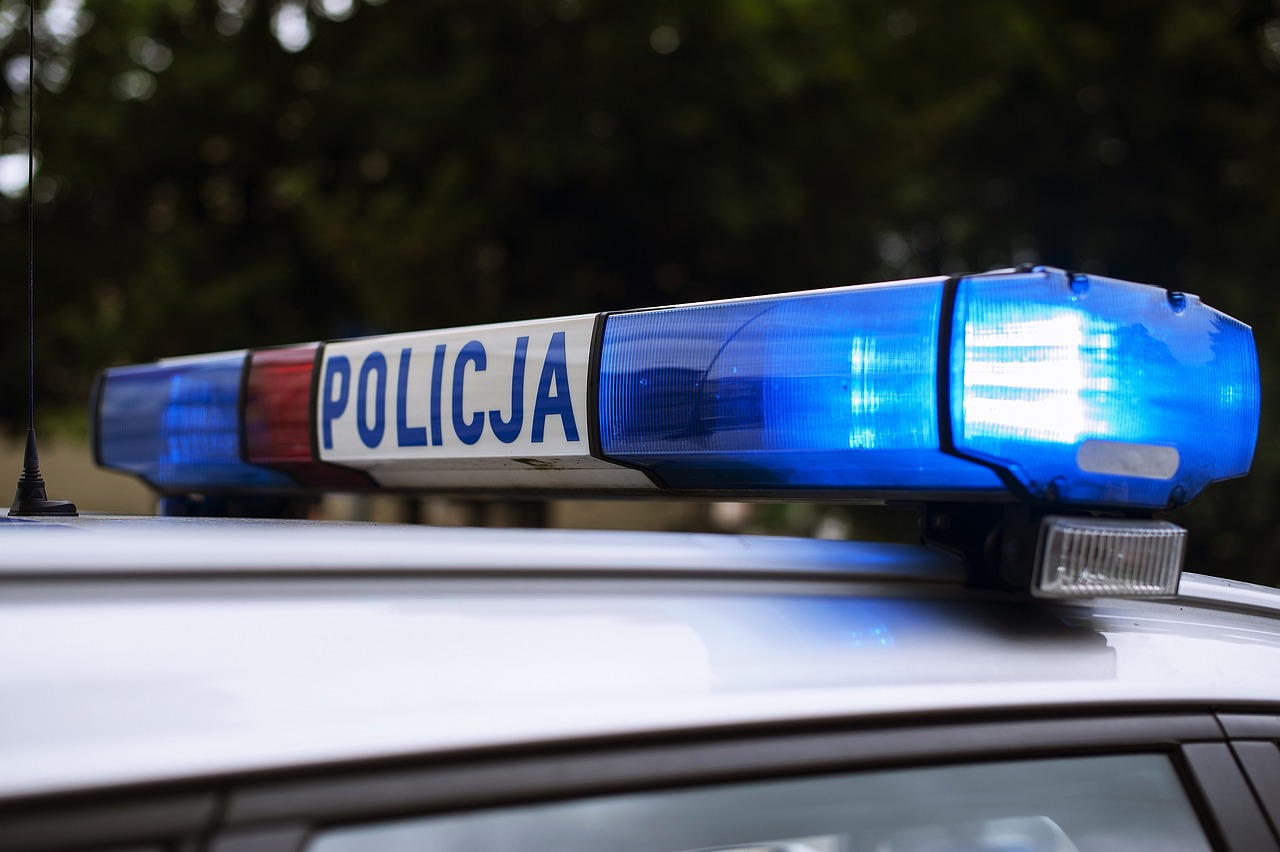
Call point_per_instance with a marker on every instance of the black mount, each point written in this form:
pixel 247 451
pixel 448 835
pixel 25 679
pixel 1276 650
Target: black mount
pixel 31 499
pixel 996 540
pixel 274 506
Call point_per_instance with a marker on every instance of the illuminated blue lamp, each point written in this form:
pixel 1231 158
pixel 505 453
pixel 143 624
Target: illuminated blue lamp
pixel 1093 391
pixel 177 425
pixel 830 390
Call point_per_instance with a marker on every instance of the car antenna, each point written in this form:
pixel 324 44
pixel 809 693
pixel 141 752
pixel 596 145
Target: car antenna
pixel 31 498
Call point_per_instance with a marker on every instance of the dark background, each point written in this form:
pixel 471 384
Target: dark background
pixel 217 175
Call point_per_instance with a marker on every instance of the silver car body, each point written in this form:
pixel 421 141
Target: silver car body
pixel 149 651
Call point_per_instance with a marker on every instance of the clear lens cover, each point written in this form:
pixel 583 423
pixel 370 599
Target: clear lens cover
pixel 1086 557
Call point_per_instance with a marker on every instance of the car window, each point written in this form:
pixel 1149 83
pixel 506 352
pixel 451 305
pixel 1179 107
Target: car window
pixel 1118 802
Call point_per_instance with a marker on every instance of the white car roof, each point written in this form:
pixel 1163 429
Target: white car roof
pixel 136 651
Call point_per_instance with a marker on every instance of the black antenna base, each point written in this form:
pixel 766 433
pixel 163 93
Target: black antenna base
pixel 31 498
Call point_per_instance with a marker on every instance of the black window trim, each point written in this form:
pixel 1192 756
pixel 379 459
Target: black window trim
pixel 1255 743
pixel 442 784
pixel 1226 792
pixel 238 812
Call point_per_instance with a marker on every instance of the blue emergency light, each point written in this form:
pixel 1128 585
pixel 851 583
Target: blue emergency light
pixel 177 425
pixel 1032 385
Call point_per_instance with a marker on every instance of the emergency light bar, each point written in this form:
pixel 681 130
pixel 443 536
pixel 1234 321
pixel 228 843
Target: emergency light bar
pixel 1071 390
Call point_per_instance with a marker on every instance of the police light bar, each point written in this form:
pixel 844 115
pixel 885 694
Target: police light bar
pixel 1059 389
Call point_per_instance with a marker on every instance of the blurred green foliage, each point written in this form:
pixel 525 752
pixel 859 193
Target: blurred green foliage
pixel 250 172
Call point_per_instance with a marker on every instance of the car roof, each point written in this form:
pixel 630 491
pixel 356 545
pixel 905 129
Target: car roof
pixel 147 650
pixel 105 544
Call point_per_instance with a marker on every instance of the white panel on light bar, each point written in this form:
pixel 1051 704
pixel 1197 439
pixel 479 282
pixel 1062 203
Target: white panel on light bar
pixel 1084 557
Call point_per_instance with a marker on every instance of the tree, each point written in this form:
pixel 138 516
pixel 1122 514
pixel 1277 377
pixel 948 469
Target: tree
pixel 220 175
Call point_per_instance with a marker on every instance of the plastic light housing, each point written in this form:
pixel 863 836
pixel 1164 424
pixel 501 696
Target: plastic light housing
pixel 1034 384
pixel 1093 391
pixel 177 425
pixel 278 418
pixel 1085 557
pixel 831 390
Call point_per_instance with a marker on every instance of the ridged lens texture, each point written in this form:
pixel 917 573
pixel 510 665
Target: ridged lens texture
pixel 1096 391
pixel 827 390
pixel 177 425
pixel 1083 557
pixel 277 405
pixel 277 417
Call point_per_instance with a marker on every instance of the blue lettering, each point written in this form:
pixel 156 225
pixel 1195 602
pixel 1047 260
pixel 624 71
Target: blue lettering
pixel 406 435
pixel 337 367
pixel 372 434
pixel 468 431
pixel 437 379
pixel 554 372
pixel 508 430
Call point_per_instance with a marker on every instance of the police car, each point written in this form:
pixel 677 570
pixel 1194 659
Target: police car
pixel 1038 673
